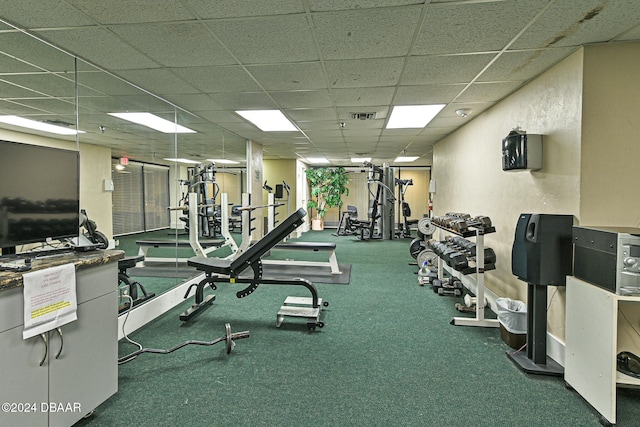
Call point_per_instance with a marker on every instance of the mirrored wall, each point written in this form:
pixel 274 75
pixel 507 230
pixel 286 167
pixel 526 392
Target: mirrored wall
pixel 134 181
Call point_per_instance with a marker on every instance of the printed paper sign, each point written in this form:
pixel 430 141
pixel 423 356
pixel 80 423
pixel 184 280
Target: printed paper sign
pixel 49 299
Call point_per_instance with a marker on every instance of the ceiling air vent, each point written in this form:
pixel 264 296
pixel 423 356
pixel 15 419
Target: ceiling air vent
pixel 363 116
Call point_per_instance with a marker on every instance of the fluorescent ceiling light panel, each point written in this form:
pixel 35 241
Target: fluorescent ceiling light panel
pixel 360 159
pixel 406 159
pixel 154 122
pixel 413 116
pixel 36 125
pixel 317 160
pixel 268 120
pixel 224 161
pixel 180 160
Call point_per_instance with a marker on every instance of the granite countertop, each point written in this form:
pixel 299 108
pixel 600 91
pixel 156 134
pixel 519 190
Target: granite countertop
pixel 82 260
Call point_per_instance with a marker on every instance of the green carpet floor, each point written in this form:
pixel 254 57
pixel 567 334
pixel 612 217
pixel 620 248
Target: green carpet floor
pixel 387 356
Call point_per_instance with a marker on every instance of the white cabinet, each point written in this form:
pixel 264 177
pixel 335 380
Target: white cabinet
pixel 593 340
pixel 86 371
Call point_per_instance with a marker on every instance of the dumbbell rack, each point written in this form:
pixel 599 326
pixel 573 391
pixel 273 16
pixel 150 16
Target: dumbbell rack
pixel 479 233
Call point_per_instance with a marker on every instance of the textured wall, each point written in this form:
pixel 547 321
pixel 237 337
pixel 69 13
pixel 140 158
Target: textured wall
pixel 469 178
pixel 610 147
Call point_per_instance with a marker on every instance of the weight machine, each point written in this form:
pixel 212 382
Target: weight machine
pixel 380 216
pixel 202 181
pixel 405 209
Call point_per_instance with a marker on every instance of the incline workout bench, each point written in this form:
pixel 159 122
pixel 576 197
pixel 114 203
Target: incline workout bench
pixel 229 271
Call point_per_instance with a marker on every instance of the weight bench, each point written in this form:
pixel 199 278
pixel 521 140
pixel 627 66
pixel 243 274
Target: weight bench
pixel 230 271
pixel 145 245
pixel 128 287
pixel 309 246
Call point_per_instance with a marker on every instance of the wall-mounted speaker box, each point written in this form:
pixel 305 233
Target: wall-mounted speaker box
pixel 521 151
pixel 542 252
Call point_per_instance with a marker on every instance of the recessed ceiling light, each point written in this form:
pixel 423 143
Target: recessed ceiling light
pixel 224 161
pixel 406 159
pixel 154 122
pixel 317 160
pixel 268 120
pixel 36 125
pixel 360 159
pixel 413 116
pixel 180 160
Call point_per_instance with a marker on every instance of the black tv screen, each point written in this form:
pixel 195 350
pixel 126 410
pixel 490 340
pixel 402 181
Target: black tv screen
pixel 39 193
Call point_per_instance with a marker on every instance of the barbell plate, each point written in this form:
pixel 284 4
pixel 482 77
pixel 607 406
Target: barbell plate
pixel 427 255
pixel 228 339
pixel 426 227
pixel 415 247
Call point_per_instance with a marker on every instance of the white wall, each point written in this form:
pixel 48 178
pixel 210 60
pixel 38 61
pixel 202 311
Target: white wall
pixel 468 171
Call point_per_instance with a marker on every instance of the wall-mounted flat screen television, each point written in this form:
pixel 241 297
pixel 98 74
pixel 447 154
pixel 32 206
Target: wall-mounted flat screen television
pixel 39 194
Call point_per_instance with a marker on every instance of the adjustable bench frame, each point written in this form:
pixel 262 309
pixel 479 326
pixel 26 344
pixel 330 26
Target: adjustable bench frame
pixel 230 270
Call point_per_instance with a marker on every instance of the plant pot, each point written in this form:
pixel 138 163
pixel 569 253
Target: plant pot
pixel 317 225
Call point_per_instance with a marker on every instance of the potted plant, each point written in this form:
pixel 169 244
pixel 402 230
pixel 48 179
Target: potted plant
pixel 327 187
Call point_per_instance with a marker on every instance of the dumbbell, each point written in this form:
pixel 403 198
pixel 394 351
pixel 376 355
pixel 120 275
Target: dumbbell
pixel 480 222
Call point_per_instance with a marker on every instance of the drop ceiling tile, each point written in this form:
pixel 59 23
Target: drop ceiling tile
pixel 176 45
pixel 267 40
pixel 366 33
pixel 464 27
pixel 523 65
pixel 309 114
pixel 52 105
pixel 354 125
pixel 10 90
pixel 39 14
pixel 92 81
pixel 488 92
pixel 303 75
pixel 303 99
pixel 333 5
pixel 451 69
pixel 219 116
pixel 324 133
pixel 362 97
pixel 14 107
pixel 11 65
pixel 447 122
pixel 47 84
pixel 99 46
pixel 244 101
pixel 364 72
pixel 104 104
pixel 351 133
pixel 427 94
pixel 319 125
pixel 579 23
pixel 127 11
pixel 194 102
pixel 243 8
pixel 32 51
pixel 218 79
pixel 159 81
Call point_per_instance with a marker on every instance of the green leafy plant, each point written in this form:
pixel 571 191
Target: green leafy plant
pixel 328 185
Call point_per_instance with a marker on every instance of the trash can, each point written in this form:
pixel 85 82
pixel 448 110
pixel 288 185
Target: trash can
pixel 512 316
